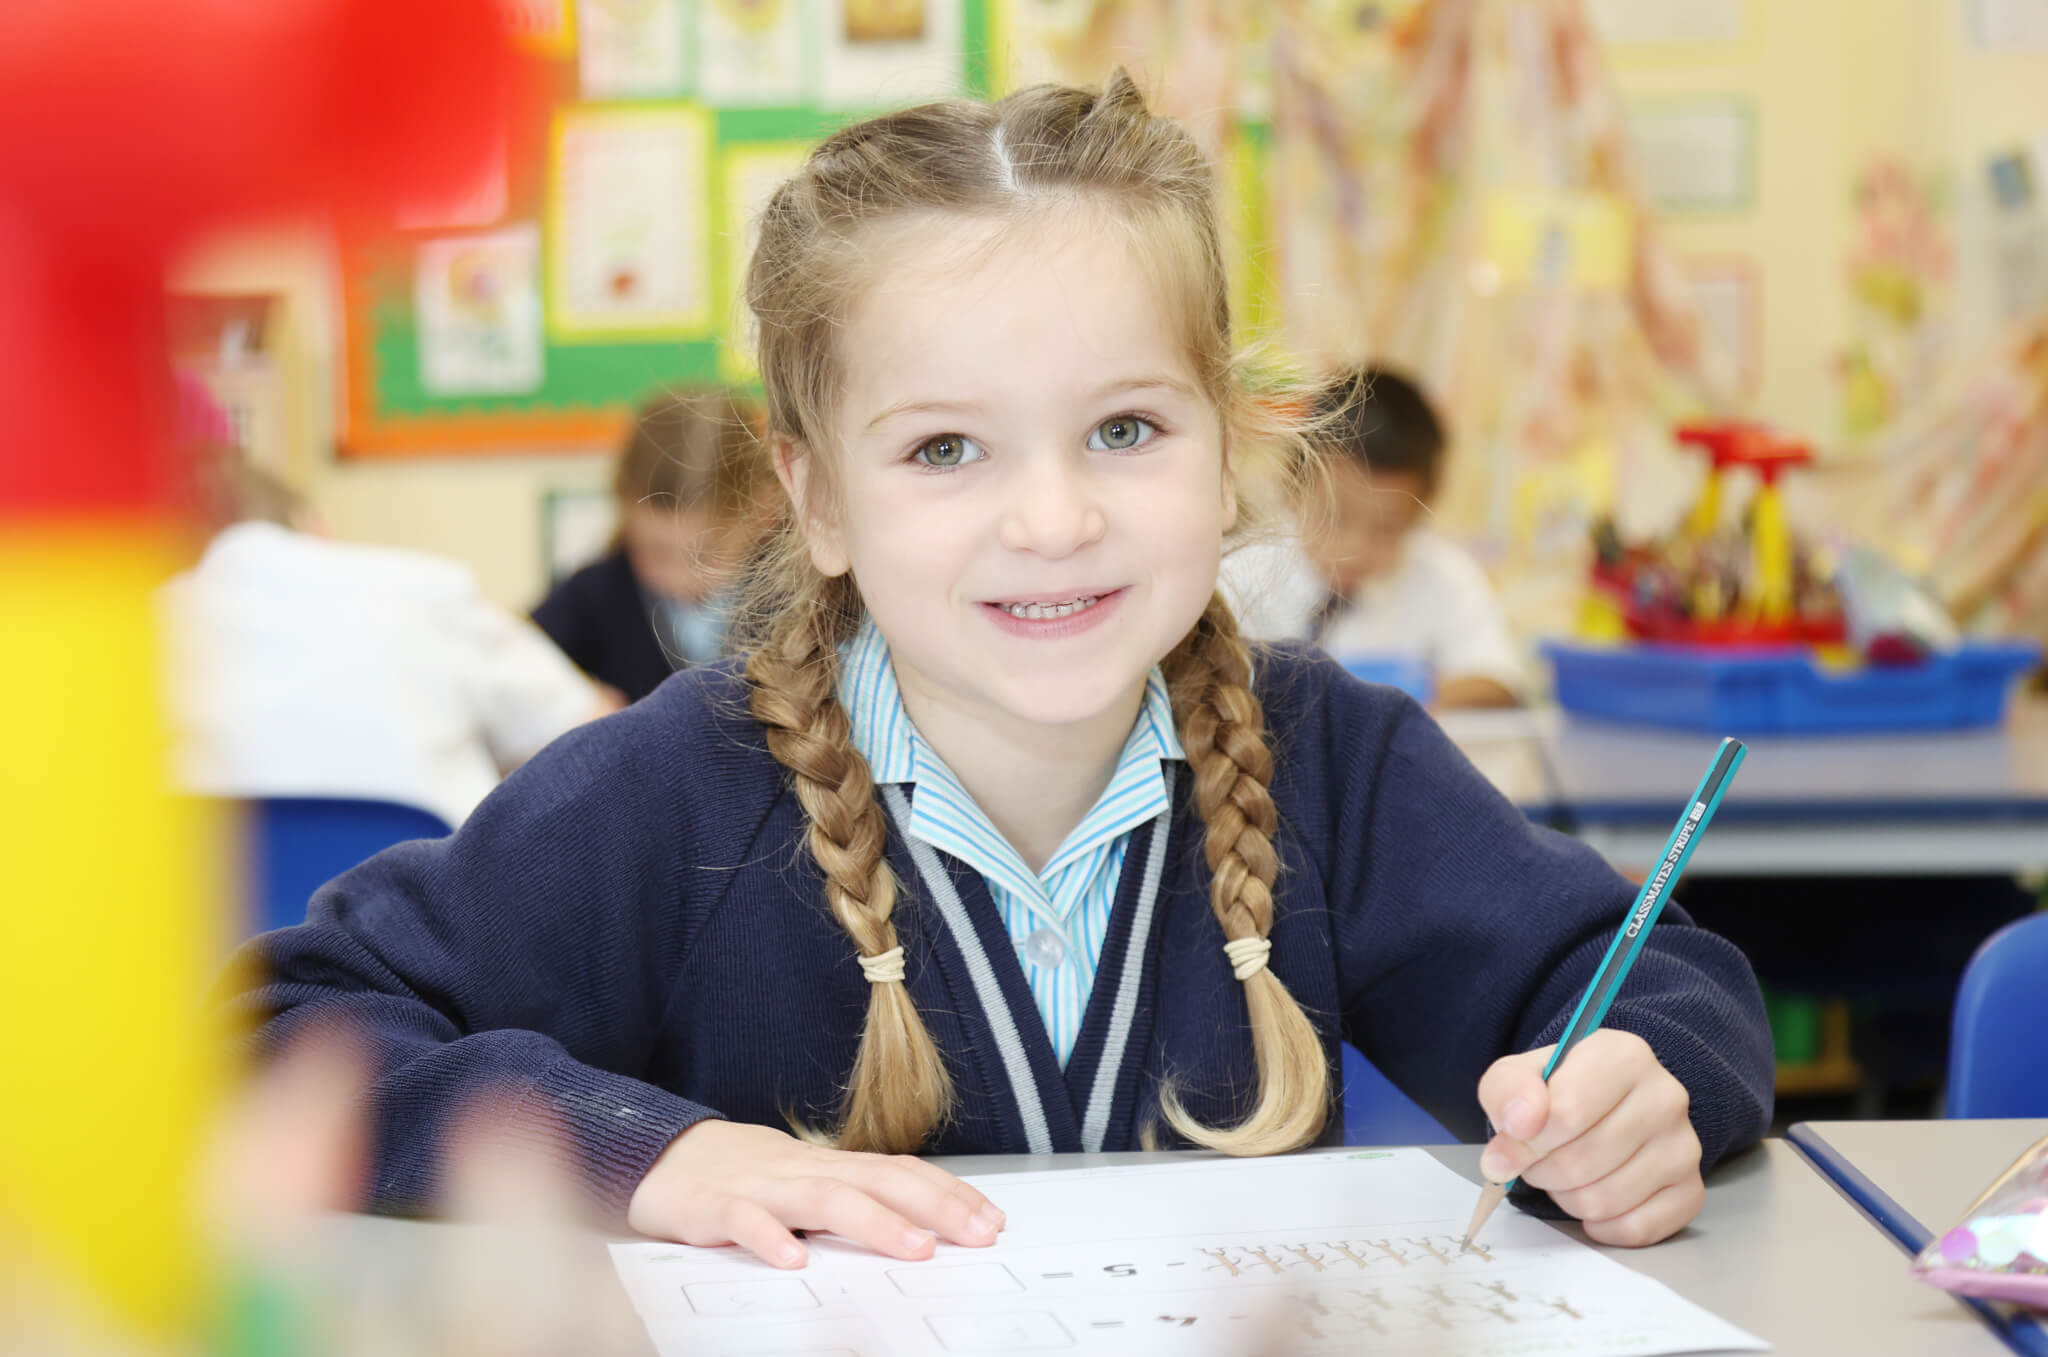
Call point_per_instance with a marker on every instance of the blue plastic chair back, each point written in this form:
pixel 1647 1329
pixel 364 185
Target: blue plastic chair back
pixel 1377 1113
pixel 299 843
pixel 1998 1060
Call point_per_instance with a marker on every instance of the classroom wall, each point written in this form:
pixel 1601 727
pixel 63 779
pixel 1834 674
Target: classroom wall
pixel 480 509
pixel 1833 83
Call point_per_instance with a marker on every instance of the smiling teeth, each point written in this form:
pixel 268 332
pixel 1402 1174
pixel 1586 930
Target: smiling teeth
pixel 1041 612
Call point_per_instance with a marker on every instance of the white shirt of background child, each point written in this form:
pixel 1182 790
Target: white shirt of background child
pixel 1436 605
pixel 306 667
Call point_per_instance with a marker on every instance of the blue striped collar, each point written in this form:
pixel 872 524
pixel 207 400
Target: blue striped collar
pixel 945 816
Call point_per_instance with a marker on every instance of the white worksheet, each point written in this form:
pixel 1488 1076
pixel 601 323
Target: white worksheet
pixel 1303 1255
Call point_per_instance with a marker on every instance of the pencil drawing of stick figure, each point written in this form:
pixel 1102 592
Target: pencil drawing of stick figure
pixel 1388 1249
pixel 1484 1251
pixel 1308 1255
pixel 1275 1264
pixel 1373 1297
pixel 1498 1309
pixel 1223 1260
pixel 1563 1307
pixel 1345 1249
pixel 1435 1291
pixel 1499 1289
pixel 1432 1250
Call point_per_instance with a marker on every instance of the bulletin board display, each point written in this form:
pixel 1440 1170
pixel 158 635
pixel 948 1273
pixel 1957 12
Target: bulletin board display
pixel 598 257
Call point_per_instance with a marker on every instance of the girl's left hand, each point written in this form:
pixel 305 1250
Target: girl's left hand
pixel 1608 1137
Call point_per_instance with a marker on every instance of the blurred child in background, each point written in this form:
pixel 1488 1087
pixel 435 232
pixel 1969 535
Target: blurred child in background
pixel 1370 581
pixel 302 666
pixel 691 494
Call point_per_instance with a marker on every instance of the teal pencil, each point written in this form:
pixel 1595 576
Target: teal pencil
pixel 1634 931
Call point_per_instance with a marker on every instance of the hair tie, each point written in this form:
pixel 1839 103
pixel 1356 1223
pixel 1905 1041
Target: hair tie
pixel 883 967
pixel 1247 956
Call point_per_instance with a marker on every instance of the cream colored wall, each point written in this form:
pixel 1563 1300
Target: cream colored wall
pixel 482 510
pixel 1835 83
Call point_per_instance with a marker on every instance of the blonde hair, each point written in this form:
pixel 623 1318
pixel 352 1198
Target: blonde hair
pixel 1039 148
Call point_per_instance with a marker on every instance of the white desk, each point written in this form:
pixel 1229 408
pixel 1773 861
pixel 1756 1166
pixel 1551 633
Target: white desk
pixel 1908 804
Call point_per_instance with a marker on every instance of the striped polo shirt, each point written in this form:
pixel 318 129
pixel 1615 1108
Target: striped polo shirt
pixel 1056 918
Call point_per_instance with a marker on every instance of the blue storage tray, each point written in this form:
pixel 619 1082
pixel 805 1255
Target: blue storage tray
pixel 1783 690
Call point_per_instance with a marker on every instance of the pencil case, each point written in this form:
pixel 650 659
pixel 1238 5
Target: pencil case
pixel 1999 1249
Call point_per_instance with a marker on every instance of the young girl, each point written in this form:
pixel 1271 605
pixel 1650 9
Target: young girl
pixel 691 487
pixel 999 840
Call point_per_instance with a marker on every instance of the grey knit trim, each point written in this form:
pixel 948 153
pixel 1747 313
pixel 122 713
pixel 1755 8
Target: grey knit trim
pixel 1095 1125
pixel 986 988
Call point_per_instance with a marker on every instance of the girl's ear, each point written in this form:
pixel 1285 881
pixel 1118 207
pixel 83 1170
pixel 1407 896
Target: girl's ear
pixel 793 467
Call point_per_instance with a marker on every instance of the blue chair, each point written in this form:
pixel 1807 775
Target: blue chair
pixel 1377 1113
pixel 1998 1062
pixel 296 844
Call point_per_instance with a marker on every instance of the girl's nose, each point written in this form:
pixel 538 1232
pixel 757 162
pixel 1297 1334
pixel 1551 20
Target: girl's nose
pixel 1054 510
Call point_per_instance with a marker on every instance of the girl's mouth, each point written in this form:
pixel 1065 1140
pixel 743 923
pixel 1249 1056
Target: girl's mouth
pixel 1055 616
pixel 1034 612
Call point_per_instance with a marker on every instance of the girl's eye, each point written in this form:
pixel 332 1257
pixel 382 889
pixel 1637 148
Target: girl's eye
pixel 948 450
pixel 1121 434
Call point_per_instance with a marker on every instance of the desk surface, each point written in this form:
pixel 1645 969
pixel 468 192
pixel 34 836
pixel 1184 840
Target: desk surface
pixel 1776 1252
pixel 1934 1169
pixel 1930 802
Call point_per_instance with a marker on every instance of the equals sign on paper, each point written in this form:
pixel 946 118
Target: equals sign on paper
pixel 1106 1324
pixel 1059 1274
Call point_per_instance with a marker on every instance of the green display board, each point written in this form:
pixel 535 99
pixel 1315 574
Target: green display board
pixel 507 324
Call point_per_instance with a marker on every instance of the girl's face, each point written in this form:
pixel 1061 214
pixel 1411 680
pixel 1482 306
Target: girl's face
pixel 1031 489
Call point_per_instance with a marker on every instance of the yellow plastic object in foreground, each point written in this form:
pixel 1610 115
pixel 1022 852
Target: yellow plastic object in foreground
pixel 115 919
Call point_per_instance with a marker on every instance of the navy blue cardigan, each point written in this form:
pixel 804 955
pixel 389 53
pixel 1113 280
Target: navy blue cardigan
pixel 629 936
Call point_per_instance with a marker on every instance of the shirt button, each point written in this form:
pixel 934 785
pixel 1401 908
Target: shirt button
pixel 1044 950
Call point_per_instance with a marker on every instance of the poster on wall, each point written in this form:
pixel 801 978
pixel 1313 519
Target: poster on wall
pixel 1664 23
pixel 750 52
pixel 1724 295
pixel 633 49
pixel 2009 25
pixel 477 299
pixel 1695 154
pixel 751 174
pixel 886 53
pixel 629 253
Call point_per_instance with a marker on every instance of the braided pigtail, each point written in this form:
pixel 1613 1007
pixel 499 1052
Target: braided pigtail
pixel 1223 732
pixel 899 1091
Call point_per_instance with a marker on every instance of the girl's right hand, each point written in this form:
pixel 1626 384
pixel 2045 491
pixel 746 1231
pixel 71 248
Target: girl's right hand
pixel 723 1182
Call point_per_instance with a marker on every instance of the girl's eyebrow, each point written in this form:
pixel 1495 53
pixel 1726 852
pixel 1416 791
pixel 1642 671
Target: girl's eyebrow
pixel 1159 381
pixel 1151 381
pixel 921 407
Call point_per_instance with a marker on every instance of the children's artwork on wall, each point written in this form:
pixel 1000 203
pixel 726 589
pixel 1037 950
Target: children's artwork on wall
pixel 884 20
pixel 2013 25
pixel 750 52
pixel 478 302
pixel 633 49
pixel 1724 294
pixel 859 69
pixel 751 174
pixel 1695 154
pixel 629 252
